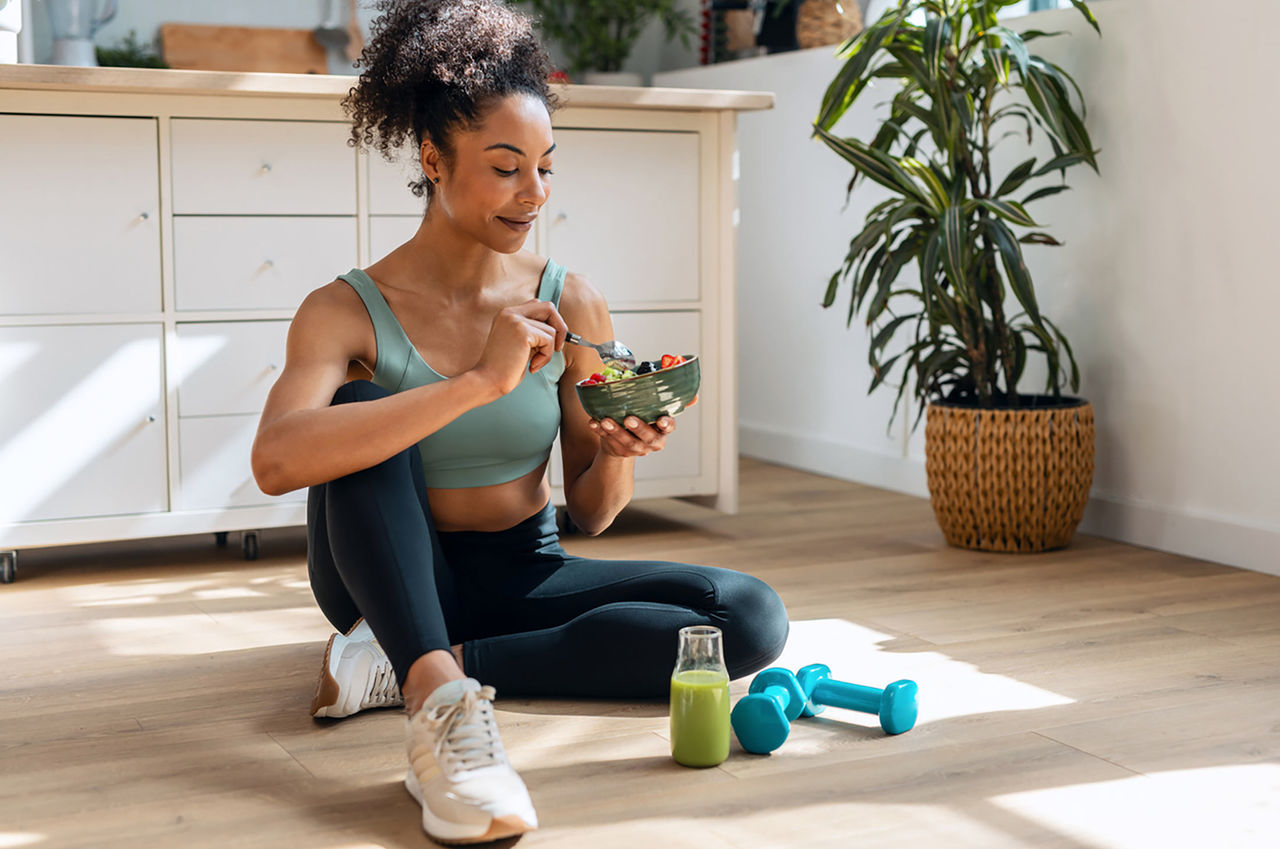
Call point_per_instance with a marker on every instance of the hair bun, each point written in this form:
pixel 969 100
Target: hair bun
pixel 431 66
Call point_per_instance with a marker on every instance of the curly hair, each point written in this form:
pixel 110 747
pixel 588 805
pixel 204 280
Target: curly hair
pixel 434 66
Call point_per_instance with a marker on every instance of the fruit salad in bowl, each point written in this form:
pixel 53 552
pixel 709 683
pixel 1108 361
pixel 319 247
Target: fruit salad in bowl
pixel 654 388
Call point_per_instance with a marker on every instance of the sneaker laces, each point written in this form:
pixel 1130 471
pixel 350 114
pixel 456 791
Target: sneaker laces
pixel 383 688
pixel 466 734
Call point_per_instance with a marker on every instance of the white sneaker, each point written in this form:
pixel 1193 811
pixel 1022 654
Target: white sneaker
pixel 458 770
pixel 357 674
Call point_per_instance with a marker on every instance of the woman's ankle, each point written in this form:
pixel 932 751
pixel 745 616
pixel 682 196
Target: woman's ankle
pixel 426 674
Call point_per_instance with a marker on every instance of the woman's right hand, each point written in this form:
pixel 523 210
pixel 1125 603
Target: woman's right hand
pixel 523 337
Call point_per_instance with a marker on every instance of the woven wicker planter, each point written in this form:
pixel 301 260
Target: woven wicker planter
pixel 1010 480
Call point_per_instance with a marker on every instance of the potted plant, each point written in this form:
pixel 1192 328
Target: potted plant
pixel 597 35
pixel 1007 471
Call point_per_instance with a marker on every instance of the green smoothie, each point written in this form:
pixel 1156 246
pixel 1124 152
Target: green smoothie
pixel 699 717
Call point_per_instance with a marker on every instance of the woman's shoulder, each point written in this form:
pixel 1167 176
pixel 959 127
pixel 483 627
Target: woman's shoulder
pixel 335 312
pixel 581 297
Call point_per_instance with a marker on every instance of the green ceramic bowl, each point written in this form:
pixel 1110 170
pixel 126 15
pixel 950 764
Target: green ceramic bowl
pixel 648 397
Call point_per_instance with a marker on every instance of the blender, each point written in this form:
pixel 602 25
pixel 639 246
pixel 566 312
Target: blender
pixel 74 25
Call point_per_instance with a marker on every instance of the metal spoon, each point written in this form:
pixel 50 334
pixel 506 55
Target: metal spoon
pixel 613 350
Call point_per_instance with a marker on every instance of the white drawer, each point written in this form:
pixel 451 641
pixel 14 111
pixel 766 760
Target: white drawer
pixel 240 167
pixel 82 426
pixel 389 192
pixel 227 367
pixel 79 215
pixel 624 212
pixel 388 232
pixel 651 335
pixel 258 263
pixel 214 465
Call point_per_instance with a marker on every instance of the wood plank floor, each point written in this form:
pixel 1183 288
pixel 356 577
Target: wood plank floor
pixel 154 694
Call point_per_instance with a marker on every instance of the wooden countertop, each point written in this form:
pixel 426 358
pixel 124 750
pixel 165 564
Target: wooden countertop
pixel 163 81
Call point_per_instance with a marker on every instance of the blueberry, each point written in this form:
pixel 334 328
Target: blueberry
pixel 645 367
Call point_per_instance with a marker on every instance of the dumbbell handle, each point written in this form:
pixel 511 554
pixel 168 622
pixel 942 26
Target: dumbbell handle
pixel 842 694
pixel 779 695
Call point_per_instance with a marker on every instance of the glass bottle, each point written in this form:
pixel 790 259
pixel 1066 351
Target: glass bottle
pixel 700 699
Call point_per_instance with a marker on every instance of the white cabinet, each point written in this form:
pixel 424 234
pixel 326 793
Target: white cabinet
pixel 257 263
pixel 262 167
pixel 82 428
pixel 624 211
pixel 79 215
pixel 157 236
pixel 214 465
pixel 227 367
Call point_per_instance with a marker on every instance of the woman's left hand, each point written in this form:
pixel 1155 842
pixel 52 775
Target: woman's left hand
pixel 632 438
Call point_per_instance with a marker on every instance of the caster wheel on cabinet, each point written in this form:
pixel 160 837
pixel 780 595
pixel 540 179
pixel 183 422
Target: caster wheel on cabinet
pixel 249 545
pixel 8 566
pixel 220 539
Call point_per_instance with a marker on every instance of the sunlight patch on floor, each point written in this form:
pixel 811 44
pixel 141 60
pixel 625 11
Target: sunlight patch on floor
pixel 205 633
pixel 13 839
pixel 948 687
pixel 1236 806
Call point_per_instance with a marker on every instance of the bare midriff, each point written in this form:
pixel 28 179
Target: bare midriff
pixel 490 508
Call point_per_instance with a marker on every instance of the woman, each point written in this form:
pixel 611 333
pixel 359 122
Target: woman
pixel 432 545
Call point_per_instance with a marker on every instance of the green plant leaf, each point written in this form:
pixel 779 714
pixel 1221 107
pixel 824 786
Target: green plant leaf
pixel 1033 34
pixel 906 251
pixel 1060 163
pixel 1040 239
pixel 922 172
pixel 1071 356
pixel 1088 15
pixel 875 165
pixel 885 333
pixel 936 34
pixel 1014 44
pixel 853 77
pixel 1016 178
pixel 832 287
pixel 880 371
pixel 955 247
pixel 1044 193
pixel 1015 266
pixel 1009 210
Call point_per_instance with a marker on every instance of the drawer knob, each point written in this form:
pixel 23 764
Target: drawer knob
pixel 150 419
pixel 265 169
pixel 562 215
pixel 144 215
pixel 269 263
pixel 272 366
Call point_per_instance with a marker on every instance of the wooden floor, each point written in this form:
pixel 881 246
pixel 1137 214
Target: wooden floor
pixel 155 695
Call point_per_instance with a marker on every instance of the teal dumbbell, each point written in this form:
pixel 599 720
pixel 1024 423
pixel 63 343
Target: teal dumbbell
pixel 895 704
pixel 762 718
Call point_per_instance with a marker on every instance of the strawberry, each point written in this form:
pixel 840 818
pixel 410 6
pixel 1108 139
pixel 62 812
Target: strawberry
pixel 668 361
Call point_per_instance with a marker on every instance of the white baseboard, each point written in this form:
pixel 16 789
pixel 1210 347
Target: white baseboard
pixel 833 459
pixel 1219 539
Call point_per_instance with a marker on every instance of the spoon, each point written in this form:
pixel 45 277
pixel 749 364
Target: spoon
pixel 613 350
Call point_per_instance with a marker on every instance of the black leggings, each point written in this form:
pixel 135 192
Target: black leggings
pixel 533 620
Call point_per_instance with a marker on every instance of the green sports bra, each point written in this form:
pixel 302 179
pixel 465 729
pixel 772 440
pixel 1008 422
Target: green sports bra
pixel 491 444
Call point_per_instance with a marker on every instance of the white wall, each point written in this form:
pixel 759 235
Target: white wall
pixel 1166 286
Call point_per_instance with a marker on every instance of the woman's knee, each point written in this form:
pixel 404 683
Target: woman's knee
pixel 358 390
pixel 390 469
pixel 756 621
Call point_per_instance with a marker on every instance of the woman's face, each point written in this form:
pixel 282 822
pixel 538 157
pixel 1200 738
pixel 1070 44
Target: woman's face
pixel 499 175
